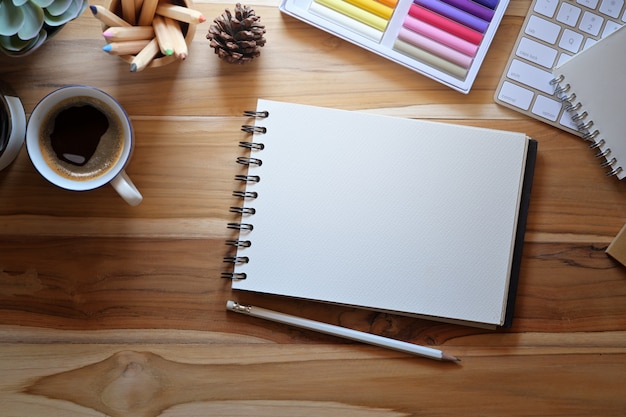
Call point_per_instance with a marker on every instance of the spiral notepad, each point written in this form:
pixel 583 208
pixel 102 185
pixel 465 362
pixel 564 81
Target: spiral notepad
pixel 591 85
pixel 392 214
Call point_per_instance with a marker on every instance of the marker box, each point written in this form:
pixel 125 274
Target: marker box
pixel 445 40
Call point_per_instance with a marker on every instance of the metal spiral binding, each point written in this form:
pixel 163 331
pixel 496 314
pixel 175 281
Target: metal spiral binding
pixel 248 161
pixel 579 116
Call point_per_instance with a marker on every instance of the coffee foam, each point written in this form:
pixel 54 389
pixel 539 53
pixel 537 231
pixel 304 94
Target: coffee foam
pixel 107 154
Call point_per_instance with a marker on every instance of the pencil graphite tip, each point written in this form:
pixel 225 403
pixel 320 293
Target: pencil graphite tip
pixel 133 67
pixel 107 47
pixel 447 357
pixel 107 33
pixel 169 52
pixel 202 19
pixel 93 9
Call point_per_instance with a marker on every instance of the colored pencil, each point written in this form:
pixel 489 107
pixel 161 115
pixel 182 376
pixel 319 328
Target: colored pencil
pixel 179 43
pixel 475 9
pixel 129 12
pixel 345 21
pixel 435 48
pixel 183 14
pixel 373 6
pixel 389 3
pixel 148 8
pixel 356 13
pixel 430 59
pixel 457 15
pixel 107 17
pixel 126 47
pixel 145 56
pixel 339 331
pixel 118 33
pixel 443 23
pixel 441 36
pixel 163 35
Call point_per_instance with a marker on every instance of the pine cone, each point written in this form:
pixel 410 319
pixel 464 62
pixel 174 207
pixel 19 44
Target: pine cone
pixel 237 37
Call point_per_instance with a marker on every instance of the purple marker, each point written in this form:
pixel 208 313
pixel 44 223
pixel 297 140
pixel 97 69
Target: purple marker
pixel 473 8
pixel 455 14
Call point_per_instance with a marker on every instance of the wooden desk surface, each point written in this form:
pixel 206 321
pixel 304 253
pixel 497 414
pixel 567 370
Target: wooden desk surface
pixel 114 310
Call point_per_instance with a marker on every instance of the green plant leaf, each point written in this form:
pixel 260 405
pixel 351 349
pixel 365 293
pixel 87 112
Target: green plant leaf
pixel 41 3
pixel 11 18
pixel 19 2
pixel 58 7
pixel 74 9
pixel 33 23
pixel 15 44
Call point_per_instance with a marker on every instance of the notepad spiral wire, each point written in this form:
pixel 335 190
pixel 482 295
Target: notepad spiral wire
pixel 243 210
pixel 585 125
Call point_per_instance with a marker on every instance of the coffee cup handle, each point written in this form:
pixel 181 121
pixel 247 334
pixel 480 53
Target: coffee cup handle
pixel 126 189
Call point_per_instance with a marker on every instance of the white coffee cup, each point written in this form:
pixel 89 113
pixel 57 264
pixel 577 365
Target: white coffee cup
pixel 12 126
pixel 80 138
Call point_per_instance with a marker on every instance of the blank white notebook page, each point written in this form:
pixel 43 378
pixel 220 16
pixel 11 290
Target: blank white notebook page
pixel 387 213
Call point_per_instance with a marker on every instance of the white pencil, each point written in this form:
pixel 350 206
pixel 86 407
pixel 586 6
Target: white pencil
pixel 340 331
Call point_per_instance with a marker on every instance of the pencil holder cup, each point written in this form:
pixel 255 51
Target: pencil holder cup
pixel 188 31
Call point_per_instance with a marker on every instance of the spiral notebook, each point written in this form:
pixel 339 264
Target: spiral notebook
pixel 592 84
pixel 397 215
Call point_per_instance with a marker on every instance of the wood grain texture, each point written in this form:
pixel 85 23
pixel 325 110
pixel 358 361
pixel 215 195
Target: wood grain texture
pixel 107 309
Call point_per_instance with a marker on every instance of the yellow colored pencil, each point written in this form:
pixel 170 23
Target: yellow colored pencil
pixel 373 6
pixel 355 13
pixel 126 47
pixel 163 35
pixel 183 14
pixel 148 8
pixel 145 56
pixel 180 45
pixel 107 17
pixel 118 33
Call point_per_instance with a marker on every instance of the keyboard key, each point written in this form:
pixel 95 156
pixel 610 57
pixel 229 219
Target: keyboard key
pixel 566 120
pixel 555 31
pixel 516 95
pixel 592 4
pixel 546 7
pixel 610 27
pixel 611 7
pixel 568 14
pixel 547 107
pixel 589 42
pixel 591 23
pixel 543 29
pixel 536 52
pixel 531 76
pixel 571 41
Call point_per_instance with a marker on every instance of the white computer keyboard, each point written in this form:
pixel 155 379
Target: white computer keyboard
pixel 553 31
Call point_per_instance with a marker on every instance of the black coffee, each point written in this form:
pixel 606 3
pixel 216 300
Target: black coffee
pixel 81 138
pixel 77 132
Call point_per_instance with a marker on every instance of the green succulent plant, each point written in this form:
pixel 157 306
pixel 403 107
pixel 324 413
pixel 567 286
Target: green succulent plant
pixel 26 24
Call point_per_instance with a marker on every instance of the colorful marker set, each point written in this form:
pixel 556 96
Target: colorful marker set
pixel 445 40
